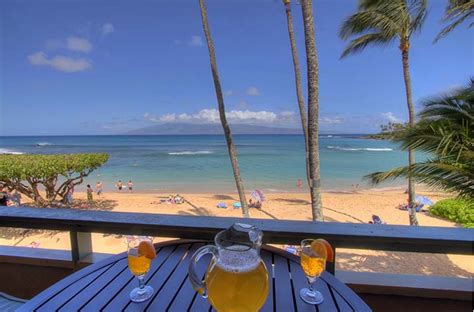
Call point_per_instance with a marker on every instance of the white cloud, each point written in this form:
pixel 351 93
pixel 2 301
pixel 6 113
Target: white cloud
pixel 390 117
pixel 211 115
pixel 195 41
pixel 252 91
pixel 228 93
pixel 78 44
pixel 242 105
pixel 60 62
pixel 331 120
pixel 107 28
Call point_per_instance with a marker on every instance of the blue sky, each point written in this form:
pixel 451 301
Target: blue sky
pixel 105 67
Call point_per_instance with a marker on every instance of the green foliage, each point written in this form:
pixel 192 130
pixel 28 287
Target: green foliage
pixel 26 173
pixel 446 131
pixel 42 167
pixel 457 210
pixel 389 131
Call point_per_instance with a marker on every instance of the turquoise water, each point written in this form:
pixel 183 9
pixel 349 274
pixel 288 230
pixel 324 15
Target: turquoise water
pixel 198 163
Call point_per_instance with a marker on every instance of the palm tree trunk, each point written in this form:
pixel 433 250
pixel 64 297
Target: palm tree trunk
pixel 313 109
pixel 299 89
pixel 411 123
pixel 220 101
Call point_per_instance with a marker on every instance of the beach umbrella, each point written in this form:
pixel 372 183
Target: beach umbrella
pixel 423 200
pixel 258 195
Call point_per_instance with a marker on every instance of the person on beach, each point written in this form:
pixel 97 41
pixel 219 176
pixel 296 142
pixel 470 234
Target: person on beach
pixel 119 185
pixel 130 186
pixel 98 188
pixel 70 194
pixel 299 183
pixel 3 199
pixel 90 199
pixel 16 197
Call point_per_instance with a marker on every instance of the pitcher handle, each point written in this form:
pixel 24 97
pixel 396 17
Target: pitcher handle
pixel 198 284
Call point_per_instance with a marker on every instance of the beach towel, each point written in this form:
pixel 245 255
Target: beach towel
pixel 221 205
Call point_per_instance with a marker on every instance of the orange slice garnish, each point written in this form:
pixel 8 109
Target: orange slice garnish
pixel 146 248
pixel 320 244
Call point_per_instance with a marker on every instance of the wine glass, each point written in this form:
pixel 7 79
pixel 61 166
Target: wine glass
pixel 313 263
pixel 140 253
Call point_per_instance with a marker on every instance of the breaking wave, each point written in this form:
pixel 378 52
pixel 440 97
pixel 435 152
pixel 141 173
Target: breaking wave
pixel 43 144
pixel 10 152
pixel 370 149
pixel 190 153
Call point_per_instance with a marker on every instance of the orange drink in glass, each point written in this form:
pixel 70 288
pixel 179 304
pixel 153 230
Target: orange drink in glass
pixel 140 253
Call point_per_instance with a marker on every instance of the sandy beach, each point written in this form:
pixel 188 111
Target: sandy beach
pixel 339 207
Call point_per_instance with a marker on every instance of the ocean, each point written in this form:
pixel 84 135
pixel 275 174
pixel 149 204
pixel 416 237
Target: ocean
pixel 200 163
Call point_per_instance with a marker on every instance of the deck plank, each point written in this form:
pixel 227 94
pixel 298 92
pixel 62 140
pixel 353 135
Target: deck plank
pixel 186 294
pixel 342 304
pixel 160 278
pixel 283 301
pixel 328 303
pixel 268 260
pixel 117 290
pixel 92 289
pixel 299 281
pixel 165 295
pixel 63 296
pixel 348 294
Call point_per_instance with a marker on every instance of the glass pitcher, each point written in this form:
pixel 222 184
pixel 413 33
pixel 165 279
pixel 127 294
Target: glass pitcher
pixel 236 278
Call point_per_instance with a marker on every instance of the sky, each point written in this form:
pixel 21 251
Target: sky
pixel 108 67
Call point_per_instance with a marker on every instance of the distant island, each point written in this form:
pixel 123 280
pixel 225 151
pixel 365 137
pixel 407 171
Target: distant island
pixel 210 129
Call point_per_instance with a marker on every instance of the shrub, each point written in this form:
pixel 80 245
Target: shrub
pixel 55 173
pixel 457 210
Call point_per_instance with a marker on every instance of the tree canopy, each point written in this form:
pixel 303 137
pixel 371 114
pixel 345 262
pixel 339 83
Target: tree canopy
pixel 446 132
pixel 56 173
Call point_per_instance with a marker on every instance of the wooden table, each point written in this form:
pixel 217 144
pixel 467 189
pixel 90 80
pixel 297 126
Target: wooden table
pixel 106 285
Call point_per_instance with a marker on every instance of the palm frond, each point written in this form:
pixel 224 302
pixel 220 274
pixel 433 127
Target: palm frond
pixel 446 131
pixel 457 11
pixel 389 19
pixel 369 20
pixel 446 30
pixel 418 14
pixel 361 42
pixel 450 177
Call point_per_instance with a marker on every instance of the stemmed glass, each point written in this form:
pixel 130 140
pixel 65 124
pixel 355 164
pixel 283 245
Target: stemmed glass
pixel 140 253
pixel 313 263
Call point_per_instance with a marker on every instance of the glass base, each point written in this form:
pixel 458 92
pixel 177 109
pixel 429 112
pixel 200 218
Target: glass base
pixel 141 294
pixel 311 297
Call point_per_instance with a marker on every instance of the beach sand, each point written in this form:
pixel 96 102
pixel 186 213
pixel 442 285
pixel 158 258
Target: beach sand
pixel 339 207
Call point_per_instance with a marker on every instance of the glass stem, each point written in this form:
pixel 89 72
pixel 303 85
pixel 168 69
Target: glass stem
pixel 311 281
pixel 141 282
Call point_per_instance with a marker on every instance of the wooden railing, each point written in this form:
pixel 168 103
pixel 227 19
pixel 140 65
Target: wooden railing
pixel 81 223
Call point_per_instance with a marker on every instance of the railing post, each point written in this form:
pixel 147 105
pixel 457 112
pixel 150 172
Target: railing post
pixel 331 266
pixel 81 246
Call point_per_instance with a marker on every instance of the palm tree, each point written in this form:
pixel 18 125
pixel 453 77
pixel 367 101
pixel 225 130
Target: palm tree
pixel 220 101
pixel 457 12
pixel 299 89
pixel 313 109
pixel 380 22
pixel 446 131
